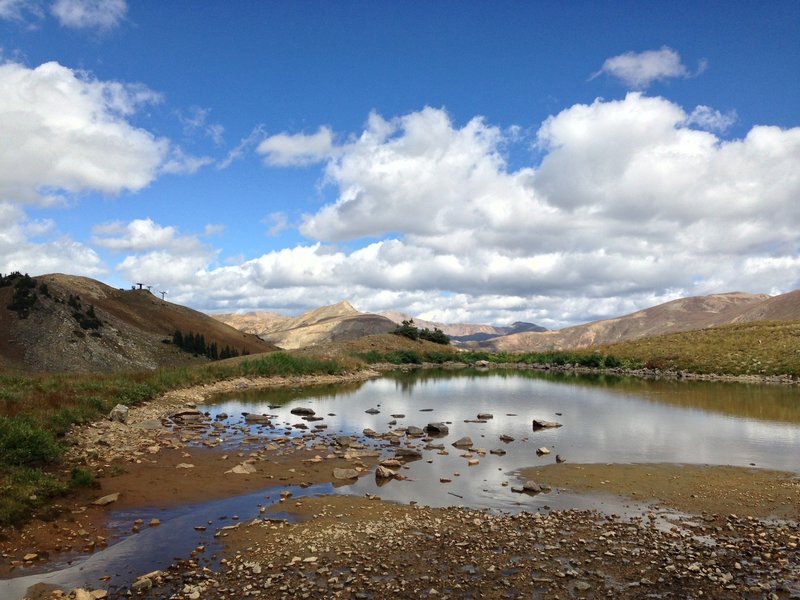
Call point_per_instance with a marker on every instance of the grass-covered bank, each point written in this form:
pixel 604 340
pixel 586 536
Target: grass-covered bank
pixel 37 410
pixel 761 349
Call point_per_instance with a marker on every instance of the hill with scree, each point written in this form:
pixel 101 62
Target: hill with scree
pixel 65 323
pixel 684 314
pixel 334 323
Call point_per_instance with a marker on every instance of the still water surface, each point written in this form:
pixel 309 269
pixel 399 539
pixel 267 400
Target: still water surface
pixel 605 419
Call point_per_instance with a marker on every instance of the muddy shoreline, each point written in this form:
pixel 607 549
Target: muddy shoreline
pixel 161 467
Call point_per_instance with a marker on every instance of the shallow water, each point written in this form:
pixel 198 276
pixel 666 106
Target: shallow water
pixel 605 419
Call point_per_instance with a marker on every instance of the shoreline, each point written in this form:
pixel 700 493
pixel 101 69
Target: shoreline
pixel 149 456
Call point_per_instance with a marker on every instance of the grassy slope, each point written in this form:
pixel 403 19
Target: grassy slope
pixel 757 348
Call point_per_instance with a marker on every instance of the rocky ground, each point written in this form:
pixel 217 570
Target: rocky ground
pixel 363 548
pixel 724 544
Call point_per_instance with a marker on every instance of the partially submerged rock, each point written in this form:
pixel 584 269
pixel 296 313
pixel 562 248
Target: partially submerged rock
pixel 407 453
pixel 542 424
pixel 345 474
pixel 382 472
pixel 530 487
pixel 464 442
pixel 253 418
pixel 437 428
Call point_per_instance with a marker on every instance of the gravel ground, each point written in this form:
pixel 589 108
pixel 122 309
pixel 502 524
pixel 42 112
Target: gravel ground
pixel 347 547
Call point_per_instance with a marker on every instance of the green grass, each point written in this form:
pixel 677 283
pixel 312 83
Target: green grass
pixel 582 358
pixel 25 443
pixel 280 363
pixel 408 357
pixel 37 410
pixel 24 490
pixel 758 348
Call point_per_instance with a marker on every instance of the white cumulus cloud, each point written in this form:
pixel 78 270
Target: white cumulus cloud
pixel 298 149
pixel 630 205
pixel 90 14
pixel 66 132
pixel 155 253
pixel 35 247
pixel 637 70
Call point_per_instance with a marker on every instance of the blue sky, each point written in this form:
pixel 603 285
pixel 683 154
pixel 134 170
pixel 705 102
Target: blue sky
pixel 457 161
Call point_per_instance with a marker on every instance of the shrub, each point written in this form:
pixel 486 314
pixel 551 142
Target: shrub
pixel 24 443
pixel 80 477
pixel 404 357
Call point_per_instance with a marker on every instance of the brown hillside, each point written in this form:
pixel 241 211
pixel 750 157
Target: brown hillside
pixel 258 323
pixel 684 314
pixel 785 307
pixel 337 322
pixel 134 325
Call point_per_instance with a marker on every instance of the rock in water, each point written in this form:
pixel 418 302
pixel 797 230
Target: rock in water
pixel 485 416
pixel 345 474
pixel 542 450
pixel 529 487
pixel 465 442
pixel 343 440
pixel 383 473
pixel 437 428
pixel 257 419
pixel 407 454
pixel 542 424
pixel 560 459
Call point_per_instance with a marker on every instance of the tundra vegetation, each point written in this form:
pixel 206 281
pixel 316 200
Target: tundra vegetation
pixel 36 411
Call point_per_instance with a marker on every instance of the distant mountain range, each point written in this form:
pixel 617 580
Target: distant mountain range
pixel 67 323
pixel 76 324
pixel 341 321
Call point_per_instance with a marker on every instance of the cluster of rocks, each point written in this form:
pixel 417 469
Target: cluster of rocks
pixel 392 551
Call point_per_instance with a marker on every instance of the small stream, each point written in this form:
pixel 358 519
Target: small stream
pixel 605 420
